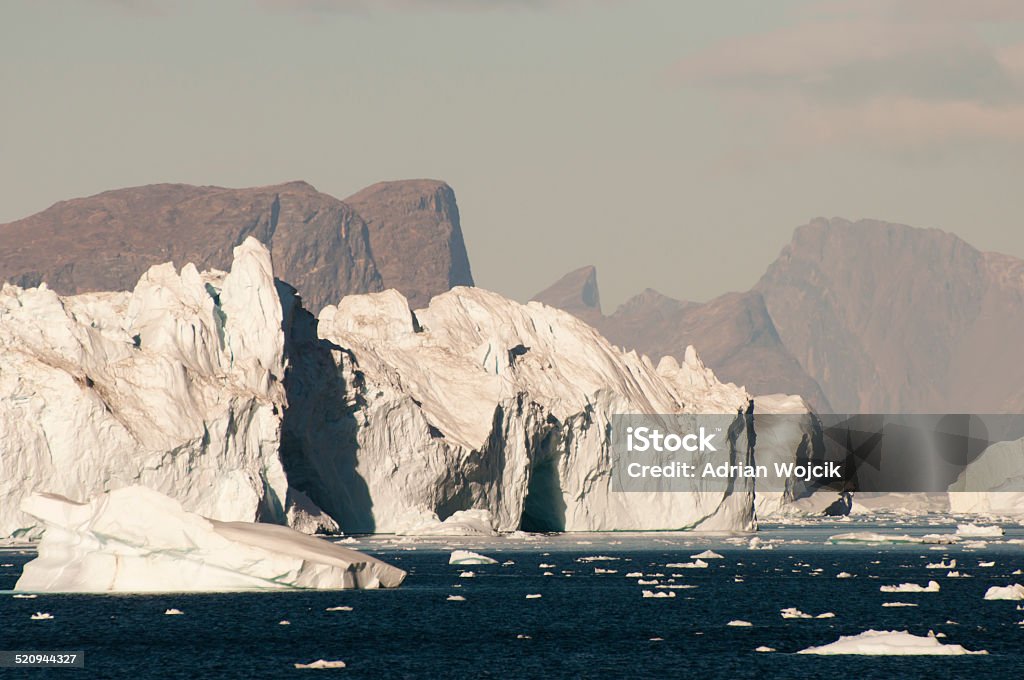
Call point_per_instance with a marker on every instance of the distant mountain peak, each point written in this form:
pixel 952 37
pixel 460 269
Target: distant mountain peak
pixel 576 292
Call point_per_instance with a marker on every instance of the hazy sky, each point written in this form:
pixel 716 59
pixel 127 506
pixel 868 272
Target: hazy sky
pixel 673 144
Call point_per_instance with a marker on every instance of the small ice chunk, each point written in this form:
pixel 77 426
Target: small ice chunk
pixel 173 612
pixel 467 574
pixel 635 574
pixel 1011 592
pixel 42 616
pixel 660 593
pixel 844 574
pixel 545 565
pixel 342 608
pixel 533 596
pixel 986 564
pixel 707 555
pixel 696 564
pixel 898 604
pixel 469 557
pixel 739 623
pixel 284 623
pixel 597 558
pixel 321 663
pixel 456 598
pixel 23 596
pixel 932 587
pixel 599 570
pixel 826 615
pixel 941 565
pixel 764 649
pixel 794 613
pixel 888 642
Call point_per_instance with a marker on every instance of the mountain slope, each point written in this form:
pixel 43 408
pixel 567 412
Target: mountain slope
pixel 890 318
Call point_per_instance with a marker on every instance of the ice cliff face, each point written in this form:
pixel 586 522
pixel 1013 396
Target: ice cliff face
pixel 175 386
pixel 478 402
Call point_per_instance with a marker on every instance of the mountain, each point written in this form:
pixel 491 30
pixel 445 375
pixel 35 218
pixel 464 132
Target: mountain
pixel 576 293
pixel 322 246
pixel 733 333
pixel 890 318
pixel 856 317
pixel 415 237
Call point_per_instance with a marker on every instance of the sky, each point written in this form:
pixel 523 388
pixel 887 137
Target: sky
pixel 673 144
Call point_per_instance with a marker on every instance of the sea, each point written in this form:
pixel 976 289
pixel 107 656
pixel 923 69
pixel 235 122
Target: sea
pixel 590 621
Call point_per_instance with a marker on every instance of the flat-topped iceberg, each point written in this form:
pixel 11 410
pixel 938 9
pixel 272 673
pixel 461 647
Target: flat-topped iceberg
pixel 889 642
pixel 135 539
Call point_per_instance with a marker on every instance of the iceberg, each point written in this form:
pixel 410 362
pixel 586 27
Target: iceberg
pixel 136 540
pixel 1011 592
pixel 888 642
pixel 932 587
pixel 707 555
pixel 469 557
pixel 978 531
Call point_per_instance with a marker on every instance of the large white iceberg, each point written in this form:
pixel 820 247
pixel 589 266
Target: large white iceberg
pixel 135 539
pixel 889 642
pixel 220 391
pixel 176 385
pixel 481 403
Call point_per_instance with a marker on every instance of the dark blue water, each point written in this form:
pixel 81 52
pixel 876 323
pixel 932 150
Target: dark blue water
pixel 584 626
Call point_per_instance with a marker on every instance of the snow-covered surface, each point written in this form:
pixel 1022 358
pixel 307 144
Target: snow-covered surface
pixel 888 642
pixel 135 539
pixel 460 523
pixel 1010 592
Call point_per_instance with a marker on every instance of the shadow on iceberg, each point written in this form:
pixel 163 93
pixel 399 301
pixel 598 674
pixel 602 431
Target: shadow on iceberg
pixel 319 427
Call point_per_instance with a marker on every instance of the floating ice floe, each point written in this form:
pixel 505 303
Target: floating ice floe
pixel 135 539
pixel 1010 592
pixel 870 537
pixel 467 574
pixel 986 564
pixel 284 622
pixel 321 664
pixel 739 623
pixel 844 574
pixel 534 596
pixel 342 608
pixel 598 558
pixel 794 613
pixel 649 582
pixel 696 564
pixel 978 530
pixel 599 570
pixel 932 587
pixel 24 596
pixel 635 574
pixel 898 604
pixel 707 555
pixel 889 642
pixel 173 612
pixel 456 598
pixel 42 616
pixel 660 593
pixel 956 574
pixel 469 557
pixel 545 565
pixel 941 565
pixel 757 544
pixel 764 649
